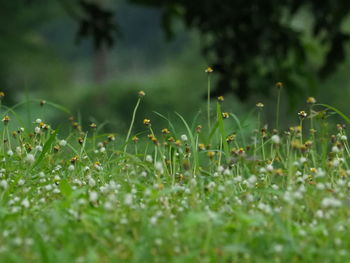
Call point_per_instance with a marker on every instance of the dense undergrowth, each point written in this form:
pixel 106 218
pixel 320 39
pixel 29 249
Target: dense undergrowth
pixel 211 194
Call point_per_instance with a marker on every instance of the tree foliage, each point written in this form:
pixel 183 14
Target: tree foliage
pixel 252 43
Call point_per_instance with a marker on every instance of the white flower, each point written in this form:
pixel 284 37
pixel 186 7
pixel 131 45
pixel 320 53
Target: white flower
pixel 275 139
pixel 184 137
pixel 335 149
pixel 330 202
pixel 21 182
pixel 343 138
pixel 30 158
pixel 269 167
pixel 71 167
pixel 63 143
pixel 159 167
pixel 149 158
pixel 128 199
pixel 93 196
pixel 18 150
pixel 92 182
pixel 39 148
pixel 37 130
pixel 38 121
pixel 3 184
pixel 102 149
pixel 25 203
pixel 9 152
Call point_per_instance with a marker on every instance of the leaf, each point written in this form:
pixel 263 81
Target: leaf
pixel 347 119
pixel 46 148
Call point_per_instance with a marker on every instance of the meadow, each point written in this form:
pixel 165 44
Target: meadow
pixel 213 193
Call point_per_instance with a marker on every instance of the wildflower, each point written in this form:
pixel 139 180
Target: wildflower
pixel 310 100
pixel 259 105
pixel 149 158
pixel 201 146
pixel 279 85
pixel 3 184
pixel 147 122
pixel 25 203
pixel 128 199
pixel 165 131
pixel 62 143
pixel 93 126
pixel 209 70
pixel 111 138
pixel 6 120
pixel 225 115
pixel 141 93
pixel 199 128
pixel 184 137
pixel 56 148
pixel 93 196
pixel 30 158
pixel 9 152
pixel 221 98
pixel 135 139
pixel 231 138
pixel 80 140
pixel 37 130
pixel 39 148
pixel 275 139
pixel 211 154
pixel 159 167
pixel 42 103
pixel 2 95
pixel 71 167
pixel 302 114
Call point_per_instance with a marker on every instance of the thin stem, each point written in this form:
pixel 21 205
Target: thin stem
pixel 131 124
pixel 208 102
pixel 278 108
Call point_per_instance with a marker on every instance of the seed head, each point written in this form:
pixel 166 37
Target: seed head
pixel 135 139
pixel 141 93
pixel 42 103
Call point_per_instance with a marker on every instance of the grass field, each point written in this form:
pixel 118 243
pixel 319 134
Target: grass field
pixel 210 194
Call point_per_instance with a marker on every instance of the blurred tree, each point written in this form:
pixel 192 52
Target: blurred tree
pixel 253 43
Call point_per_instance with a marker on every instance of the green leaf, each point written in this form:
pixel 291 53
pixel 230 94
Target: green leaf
pixel 46 148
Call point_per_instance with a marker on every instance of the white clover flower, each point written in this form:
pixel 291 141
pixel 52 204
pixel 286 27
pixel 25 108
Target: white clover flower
pixel 9 152
pixel 93 196
pixel 62 143
pixel 275 139
pixel 30 158
pixel 184 138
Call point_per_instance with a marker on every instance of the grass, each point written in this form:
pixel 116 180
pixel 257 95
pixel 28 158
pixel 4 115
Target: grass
pixel 207 195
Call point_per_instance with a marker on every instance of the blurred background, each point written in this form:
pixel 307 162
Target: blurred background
pixel 53 50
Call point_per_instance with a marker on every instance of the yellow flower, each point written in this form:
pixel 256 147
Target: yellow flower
pixel 93 125
pixel 279 85
pixel 209 70
pixel 201 146
pixel 147 122
pixel 165 131
pixel 211 154
pixel 221 98
pixel 260 105
pixel 302 114
pixel 141 93
pixel 310 100
pixel 6 119
pixel 225 115
pixel 135 139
